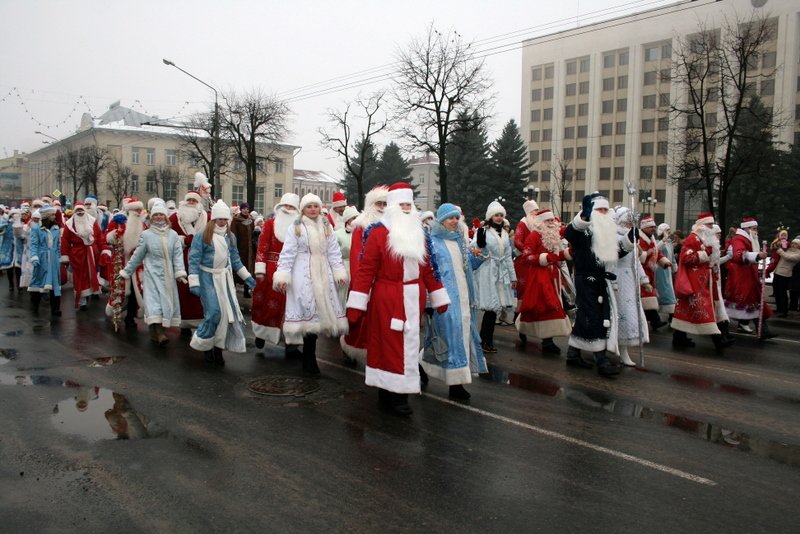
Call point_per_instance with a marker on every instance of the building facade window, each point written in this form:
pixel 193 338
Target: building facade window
pixel 585 64
pixel 619 150
pixel 279 188
pixel 647 149
pixel 171 156
pixel 533 156
pixel 547 134
pixel 569 111
pixel 536 95
pixel 171 190
pixel 536 115
pixel 583 88
pixel 583 110
pixel 150 183
pixel 571 89
pixel 623 58
pixel 534 136
pixel 767 87
pixel 536 74
pixel 622 82
pixel 134 183
pixel 620 127
pixel 649 101
pixel 609 61
pixel 548 93
pixel 605 173
pixel 134 156
pixel 278 164
pixel 661 172
pixel 619 173
pixel 237 194
pixel 663 124
pixel 608 84
pixel 569 132
pixel 650 77
pixel 622 104
pixel 151 156
pixel 605 151
pixel 608 106
pixel 547 155
pixel 548 72
pixel 572 68
pixel 568 153
pixel 651 53
pixel 645 172
pixel 648 125
pixel 258 205
pixel 547 114
pixel 580 174
pixel 580 152
pixel 583 131
pixel 663 148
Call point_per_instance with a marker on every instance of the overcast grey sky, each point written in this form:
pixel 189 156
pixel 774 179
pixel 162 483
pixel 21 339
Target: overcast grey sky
pixel 86 54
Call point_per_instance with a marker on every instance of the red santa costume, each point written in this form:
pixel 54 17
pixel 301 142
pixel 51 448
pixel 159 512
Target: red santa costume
pixel 520 235
pixel 188 221
pixel 81 242
pixel 698 308
pixel 390 286
pixel 269 305
pixel 743 287
pixel 334 217
pixel 651 259
pixel 542 313
pixel 354 343
pixel 123 237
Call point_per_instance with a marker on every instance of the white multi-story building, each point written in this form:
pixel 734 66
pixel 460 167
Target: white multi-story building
pixel 595 100
pixel 425 180
pixel 317 183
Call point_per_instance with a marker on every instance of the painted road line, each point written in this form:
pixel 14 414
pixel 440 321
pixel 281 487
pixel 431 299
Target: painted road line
pixel 558 436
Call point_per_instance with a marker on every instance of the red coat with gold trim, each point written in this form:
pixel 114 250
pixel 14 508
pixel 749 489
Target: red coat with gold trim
pixel 269 306
pixel 651 259
pixel 695 313
pixel 743 287
pixel 191 307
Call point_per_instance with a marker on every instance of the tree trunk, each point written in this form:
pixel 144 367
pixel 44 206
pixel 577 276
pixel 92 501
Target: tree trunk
pixel 442 179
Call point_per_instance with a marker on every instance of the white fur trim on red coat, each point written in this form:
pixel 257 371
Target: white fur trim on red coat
pixel 439 298
pixel 358 300
pixel 106 251
pixel 702 256
pixel 261 267
pixel 543 259
pixel 64 259
pixel 281 277
pixel 124 275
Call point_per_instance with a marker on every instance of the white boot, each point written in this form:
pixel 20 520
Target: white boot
pixel 624 358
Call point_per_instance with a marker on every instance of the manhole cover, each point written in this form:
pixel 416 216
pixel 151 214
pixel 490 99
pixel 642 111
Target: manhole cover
pixel 283 386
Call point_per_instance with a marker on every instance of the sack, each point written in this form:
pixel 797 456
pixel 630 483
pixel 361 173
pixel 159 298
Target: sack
pixel 683 286
pixel 435 350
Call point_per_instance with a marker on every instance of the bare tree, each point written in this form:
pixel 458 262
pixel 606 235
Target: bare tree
pixel 718 73
pixel 560 184
pixel 438 78
pixel 71 167
pixel 197 139
pixel 167 178
pixel 254 123
pixel 118 178
pixel 356 151
pixel 93 160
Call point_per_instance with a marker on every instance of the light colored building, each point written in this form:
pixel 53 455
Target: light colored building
pixel 595 101
pixel 149 154
pixel 12 169
pixel 317 183
pixel 425 180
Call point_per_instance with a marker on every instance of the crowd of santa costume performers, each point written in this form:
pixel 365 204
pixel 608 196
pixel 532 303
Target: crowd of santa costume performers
pixel 409 295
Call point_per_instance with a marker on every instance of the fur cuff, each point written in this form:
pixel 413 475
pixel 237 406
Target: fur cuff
pixel 261 267
pixel 358 300
pixel 752 257
pixel 243 273
pixel 111 238
pixel 642 257
pixel 124 275
pixel 625 243
pixel 106 251
pixel 281 277
pixel 340 275
pixel 439 298
pixel 664 262
pixel 702 256
pixel 34 258
pixel 194 280
pixel 180 274
pixel 567 255
pixel 64 259
pixel 580 224
pixel 543 259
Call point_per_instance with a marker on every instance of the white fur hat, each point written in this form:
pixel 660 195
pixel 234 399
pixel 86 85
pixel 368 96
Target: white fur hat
pixel 152 202
pixel 493 209
pixel 159 207
pixel 220 210
pixel 663 227
pixel 289 199
pixel 530 206
pixel 36 214
pixel 201 180
pixel 349 213
pixel 309 199
pixel 377 194
pixel 426 215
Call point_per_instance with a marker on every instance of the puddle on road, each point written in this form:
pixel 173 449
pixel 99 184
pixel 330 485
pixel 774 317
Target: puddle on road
pixel 13 333
pixel 97 413
pixel 785 453
pixel 106 361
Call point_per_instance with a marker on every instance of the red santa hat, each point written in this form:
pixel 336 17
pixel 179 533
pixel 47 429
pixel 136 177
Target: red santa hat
pixel 544 215
pixel 338 200
pixel 192 194
pixel 705 218
pixel 57 203
pixel 133 204
pixel 476 222
pixel 748 222
pixel 79 206
pixel 400 193
pixel 647 222
pixel 530 206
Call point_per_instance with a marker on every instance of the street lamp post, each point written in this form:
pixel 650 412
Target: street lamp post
pixel 58 173
pixel 215 147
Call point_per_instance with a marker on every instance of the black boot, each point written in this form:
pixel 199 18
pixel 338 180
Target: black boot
pixel 55 305
pixel 36 299
pixel 549 347
pixel 720 343
pixel 574 359
pixel 724 328
pixel 423 376
pixel 310 354
pixel 487 331
pixel 394 403
pixel 765 332
pixel 458 392
pixel 524 339
pixel 292 352
pixel 604 366
pixel 218 359
pixel 259 343
pixel 654 319
pixel 185 332
pixel 681 341
pixel 209 356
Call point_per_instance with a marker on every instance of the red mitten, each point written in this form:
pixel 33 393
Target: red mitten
pixel 441 309
pixel 353 315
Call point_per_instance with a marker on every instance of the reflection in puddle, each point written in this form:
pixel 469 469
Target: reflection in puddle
pixel 98 413
pixel 106 361
pixel 13 333
pixel 784 453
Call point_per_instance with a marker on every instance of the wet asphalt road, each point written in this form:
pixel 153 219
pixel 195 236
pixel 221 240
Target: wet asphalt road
pixel 695 442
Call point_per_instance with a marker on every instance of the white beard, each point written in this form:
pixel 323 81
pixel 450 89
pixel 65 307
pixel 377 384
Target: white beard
pixel 551 237
pixel 192 220
pixel 604 238
pixel 91 211
pixel 133 229
pixel 754 243
pixel 283 220
pixel 406 237
pixel 368 217
pixel 84 227
pixel 709 238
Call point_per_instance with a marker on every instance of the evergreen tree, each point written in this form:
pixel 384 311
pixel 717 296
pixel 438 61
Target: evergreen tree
pixel 509 171
pixel 349 184
pixel 392 166
pixel 469 169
